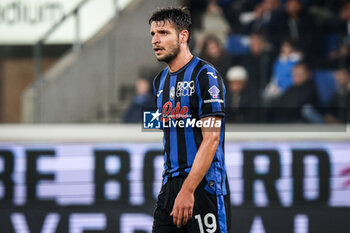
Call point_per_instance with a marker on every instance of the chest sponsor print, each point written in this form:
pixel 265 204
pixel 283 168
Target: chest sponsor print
pixel 185 88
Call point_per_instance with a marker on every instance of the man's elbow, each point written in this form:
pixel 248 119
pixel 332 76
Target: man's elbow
pixel 214 139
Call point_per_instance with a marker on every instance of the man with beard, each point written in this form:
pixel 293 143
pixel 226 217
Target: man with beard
pixel 195 195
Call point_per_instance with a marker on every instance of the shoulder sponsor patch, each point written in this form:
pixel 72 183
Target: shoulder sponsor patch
pixel 213 101
pixel 214 91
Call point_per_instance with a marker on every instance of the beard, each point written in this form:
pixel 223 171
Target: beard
pixel 173 52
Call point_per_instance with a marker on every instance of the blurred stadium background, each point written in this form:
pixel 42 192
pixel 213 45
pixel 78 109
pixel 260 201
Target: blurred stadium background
pixel 75 74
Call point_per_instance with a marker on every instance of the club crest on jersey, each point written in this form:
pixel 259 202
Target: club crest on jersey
pixel 172 93
pixel 185 88
pixel 214 91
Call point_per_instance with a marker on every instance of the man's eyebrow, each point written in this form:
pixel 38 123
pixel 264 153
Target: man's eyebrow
pixel 159 30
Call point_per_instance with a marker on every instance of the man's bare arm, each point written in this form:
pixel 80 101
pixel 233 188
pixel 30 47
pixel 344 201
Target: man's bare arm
pixel 183 206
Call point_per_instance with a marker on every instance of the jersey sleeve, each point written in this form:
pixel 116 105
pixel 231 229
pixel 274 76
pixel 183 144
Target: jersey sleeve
pixel 210 91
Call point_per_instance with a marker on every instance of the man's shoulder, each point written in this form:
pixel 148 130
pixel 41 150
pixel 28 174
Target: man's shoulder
pixel 204 64
pixel 159 75
pixel 206 67
pixel 157 78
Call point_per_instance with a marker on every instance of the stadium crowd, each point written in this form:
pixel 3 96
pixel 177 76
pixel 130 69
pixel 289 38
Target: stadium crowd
pixel 282 60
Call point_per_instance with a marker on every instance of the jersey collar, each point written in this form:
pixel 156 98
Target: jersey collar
pixel 184 67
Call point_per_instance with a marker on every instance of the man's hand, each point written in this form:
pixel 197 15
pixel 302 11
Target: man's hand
pixel 183 208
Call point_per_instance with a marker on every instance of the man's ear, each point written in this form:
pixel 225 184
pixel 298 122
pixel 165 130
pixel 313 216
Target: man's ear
pixel 184 36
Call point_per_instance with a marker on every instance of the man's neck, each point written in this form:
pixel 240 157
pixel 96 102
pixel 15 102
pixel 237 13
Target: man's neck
pixel 180 60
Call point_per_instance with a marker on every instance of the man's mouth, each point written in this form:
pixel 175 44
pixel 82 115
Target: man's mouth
pixel 158 50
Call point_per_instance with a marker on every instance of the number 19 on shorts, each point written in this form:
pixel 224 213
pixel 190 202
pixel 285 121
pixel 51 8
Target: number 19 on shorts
pixel 209 223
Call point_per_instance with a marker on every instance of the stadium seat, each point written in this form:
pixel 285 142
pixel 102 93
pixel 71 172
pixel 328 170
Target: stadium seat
pixel 237 44
pixel 329 42
pixel 326 85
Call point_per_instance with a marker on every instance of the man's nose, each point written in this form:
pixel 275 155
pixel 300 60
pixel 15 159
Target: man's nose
pixel 155 39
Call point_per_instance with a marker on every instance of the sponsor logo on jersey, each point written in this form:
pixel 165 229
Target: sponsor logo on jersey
pixel 172 93
pixel 213 101
pixel 214 91
pixel 185 88
pixel 212 75
pixel 159 92
pixel 174 113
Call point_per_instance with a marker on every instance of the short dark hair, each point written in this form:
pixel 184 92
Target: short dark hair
pixel 180 16
pixel 292 42
pixel 304 65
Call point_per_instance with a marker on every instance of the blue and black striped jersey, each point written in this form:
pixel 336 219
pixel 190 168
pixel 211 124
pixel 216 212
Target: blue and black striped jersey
pixel 183 97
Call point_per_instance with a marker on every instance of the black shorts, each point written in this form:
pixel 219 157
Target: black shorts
pixel 211 213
